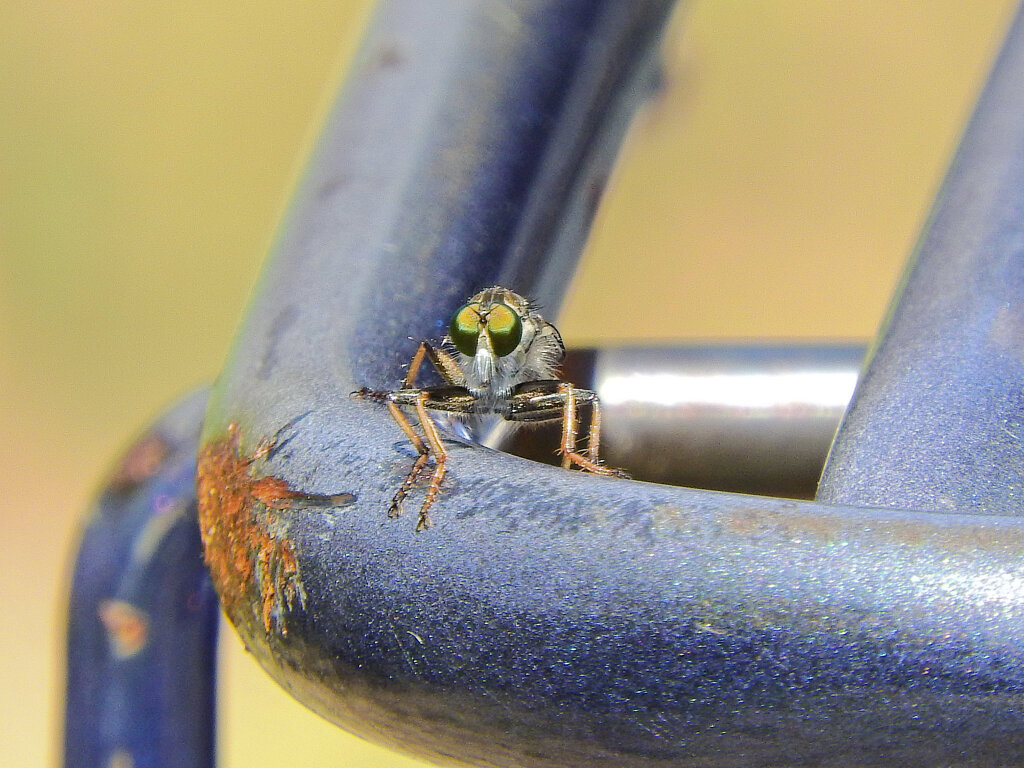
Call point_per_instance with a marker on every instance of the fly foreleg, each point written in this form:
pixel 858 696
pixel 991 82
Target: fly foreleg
pixel 451 399
pixel 441 360
pixel 421 460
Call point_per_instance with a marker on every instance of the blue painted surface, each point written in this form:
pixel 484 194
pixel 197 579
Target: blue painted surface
pixel 143 615
pixel 937 421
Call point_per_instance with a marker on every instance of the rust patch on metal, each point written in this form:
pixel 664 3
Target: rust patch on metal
pixel 127 627
pixel 140 463
pixel 243 536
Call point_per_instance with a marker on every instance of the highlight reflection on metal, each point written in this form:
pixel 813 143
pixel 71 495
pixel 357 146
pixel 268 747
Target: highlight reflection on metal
pixel 741 419
pixel 754 393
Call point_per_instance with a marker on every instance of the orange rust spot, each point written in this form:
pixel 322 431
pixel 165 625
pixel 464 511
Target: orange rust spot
pixel 274 492
pixel 140 463
pixel 127 627
pixel 121 758
pixel 241 531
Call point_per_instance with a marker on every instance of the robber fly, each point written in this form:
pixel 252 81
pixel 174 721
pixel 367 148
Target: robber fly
pixel 499 358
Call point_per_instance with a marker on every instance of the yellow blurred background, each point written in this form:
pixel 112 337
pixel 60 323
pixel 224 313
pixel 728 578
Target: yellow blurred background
pixel 147 150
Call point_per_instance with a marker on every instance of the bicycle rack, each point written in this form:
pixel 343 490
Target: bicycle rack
pixel 551 618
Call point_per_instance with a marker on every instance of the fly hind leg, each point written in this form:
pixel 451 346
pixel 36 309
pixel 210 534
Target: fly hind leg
pixel 553 400
pixel 570 424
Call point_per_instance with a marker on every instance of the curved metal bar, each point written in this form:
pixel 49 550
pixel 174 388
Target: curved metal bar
pixel 471 138
pixel 938 421
pixel 552 618
pixel 134 615
pixel 143 615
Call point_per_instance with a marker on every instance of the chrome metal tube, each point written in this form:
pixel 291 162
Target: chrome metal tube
pixel 743 418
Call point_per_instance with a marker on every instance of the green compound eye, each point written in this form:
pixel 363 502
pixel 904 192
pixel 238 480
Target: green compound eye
pixel 465 329
pixel 505 329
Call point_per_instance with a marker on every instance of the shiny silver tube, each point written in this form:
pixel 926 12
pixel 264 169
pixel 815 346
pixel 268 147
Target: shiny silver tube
pixel 743 418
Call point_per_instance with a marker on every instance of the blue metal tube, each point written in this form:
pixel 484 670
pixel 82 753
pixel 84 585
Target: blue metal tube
pixel 938 419
pixel 552 618
pixel 143 616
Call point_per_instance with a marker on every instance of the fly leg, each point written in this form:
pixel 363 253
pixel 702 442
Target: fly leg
pixel 570 424
pixel 450 399
pixel 449 371
pixel 440 457
pixel 570 416
pixel 594 443
pixel 553 400
pixel 594 436
pixel 441 360
pixel 421 460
